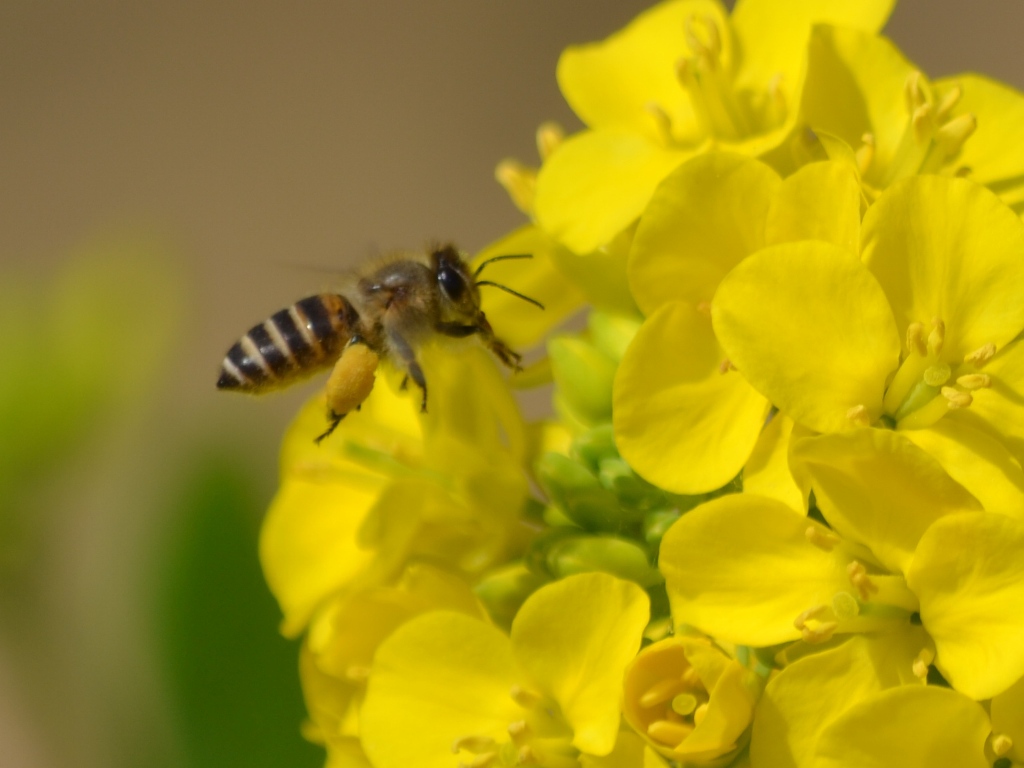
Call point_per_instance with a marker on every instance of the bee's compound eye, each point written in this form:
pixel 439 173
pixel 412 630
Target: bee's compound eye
pixel 452 283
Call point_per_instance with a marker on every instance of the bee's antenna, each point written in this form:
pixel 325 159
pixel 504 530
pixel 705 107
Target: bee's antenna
pixel 501 258
pixel 506 289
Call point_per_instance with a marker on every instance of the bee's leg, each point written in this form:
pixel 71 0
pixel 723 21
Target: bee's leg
pixel 405 383
pixel 501 350
pixel 505 353
pixel 335 419
pixel 412 366
pixel 458 330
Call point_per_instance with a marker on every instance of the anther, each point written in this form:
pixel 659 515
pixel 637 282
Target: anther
pixel 859 578
pixel 525 698
pixel 822 539
pixel 952 135
pixel 915 339
pixel 526 756
pixel 519 181
pixel 937 375
pixel 922 123
pixel 725 366
pixel 549 136
pixel 937 336
pixel 700 713
pixel 981 355
pixel 865 153
pixel 1001 744
pixel 480 761
pixel 921 663
pixel 956 399
pixel 811 613
pixel 819 634
pixel 518 731
pixel 691 679
pixel 950 100
pixel 661 119
pixel 858 416
pixel 660 692
pixel 669 733
pixel 974 381
pixel 913 92
pixel 357 673
pixel 474 744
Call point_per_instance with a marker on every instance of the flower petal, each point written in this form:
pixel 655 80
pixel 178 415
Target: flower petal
pixel 808 326
pixel 1008 718
pixel 949 248
pixel 999 406
pixel 821 201
pixel 612 82
pixel 438 678
pixel 976 460
pixel 309 544
pixel 969 576
pixel 741 569
pixel 809 694
pixel 767 470
pixel 912 726
pixel 573 640
pixel 861 478
pixel 704 218
pixel 679 421
pixel 597 183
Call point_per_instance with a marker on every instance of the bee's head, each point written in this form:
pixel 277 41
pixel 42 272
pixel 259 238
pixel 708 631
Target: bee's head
pixel 455 280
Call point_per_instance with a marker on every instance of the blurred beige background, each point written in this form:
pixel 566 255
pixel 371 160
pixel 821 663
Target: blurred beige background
pixel 254 140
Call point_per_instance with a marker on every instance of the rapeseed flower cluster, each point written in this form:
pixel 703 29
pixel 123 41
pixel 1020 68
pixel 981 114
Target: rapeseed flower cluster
pixel 777 519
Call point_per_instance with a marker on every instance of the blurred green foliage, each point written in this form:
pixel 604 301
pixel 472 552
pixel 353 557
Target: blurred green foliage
pixel 234 679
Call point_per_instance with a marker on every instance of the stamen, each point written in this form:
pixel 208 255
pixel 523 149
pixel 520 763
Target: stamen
pixel 937 375
pixel 822 539
pixel 684 704
pixel 357 673
pixel 913 91
pixel 915 339
pixel 957 399
pixel 661 692
pixel 922 123
pixel 549 136
pixel 519 181
pixel 669 733
pixel 700 713
pixel 661 120
pixel 480 761
pixel 865 153
pixel 952 134
pixel 809 614
pixel 921 663
pixel 692 679
pixel 981 355
pixel 820 634
pixel 518 731
pixel 950 100
pixel 525 698
pixel 473 744
pixel 974 381
pixel 526 756
pixel 725 366
pixel 859 578
pixel 1001 744
pixel 858 415
pixel 937 336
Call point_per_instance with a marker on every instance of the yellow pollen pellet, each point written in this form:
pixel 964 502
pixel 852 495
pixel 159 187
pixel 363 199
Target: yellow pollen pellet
pixel 822 539
pixel 981 355
pixel 937 375
pixel 1001 744
pixel 858 415
pixel 974 381
pixel 684 704
pixel 661 692
pixel 549 136
pixel 956 399
pixel 669 733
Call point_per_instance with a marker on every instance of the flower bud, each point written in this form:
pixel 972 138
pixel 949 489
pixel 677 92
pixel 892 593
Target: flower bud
pixel 504 590
pixel 579 494
pixel 609 554
pixel 583 375
pixel 595 445
pixel 612 333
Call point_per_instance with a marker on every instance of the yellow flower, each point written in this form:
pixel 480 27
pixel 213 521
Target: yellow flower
pixel 691 701
pixel 547 694
pixel 906 542
pixel 682 419
pixel 862 90
pixel 900 339
pixel 683 77
pixel 396 484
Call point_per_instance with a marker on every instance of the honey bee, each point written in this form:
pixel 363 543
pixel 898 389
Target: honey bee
pixel 387 311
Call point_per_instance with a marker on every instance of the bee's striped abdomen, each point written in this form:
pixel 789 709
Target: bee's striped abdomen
pixel 291 344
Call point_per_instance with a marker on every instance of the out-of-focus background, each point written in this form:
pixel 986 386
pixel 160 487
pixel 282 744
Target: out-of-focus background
pixel 170 174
